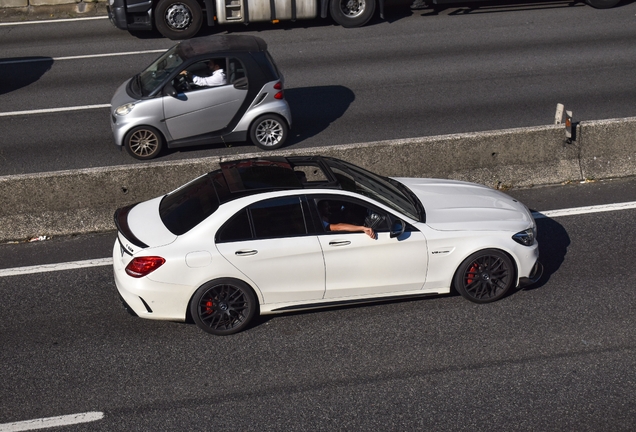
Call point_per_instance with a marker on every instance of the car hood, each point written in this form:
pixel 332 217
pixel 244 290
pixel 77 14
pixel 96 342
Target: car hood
pixel 121 97
pixel 457 206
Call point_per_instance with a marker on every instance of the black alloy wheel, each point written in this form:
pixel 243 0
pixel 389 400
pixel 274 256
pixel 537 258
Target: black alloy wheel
pixel 223 307
pixel 485 276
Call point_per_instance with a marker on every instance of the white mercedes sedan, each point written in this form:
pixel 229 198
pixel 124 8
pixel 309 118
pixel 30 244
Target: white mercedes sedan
pixel 273 235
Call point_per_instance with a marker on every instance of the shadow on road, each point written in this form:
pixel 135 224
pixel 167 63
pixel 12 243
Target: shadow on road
pixel 315 108
pixel 553 247
pixel 21 72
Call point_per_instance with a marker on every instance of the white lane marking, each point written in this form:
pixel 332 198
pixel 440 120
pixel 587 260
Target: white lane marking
pixel 45 268
pixel 109 261
pixel 85 56
pixel 51 21
pixel 50 422
pixel 53 110
pixel 585 210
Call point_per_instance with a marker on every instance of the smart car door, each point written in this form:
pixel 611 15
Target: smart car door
pixel 269 243
pixel 201 110
pixel 358 265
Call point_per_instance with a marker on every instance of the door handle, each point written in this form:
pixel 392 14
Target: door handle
pixel 339 243
pixel 245 252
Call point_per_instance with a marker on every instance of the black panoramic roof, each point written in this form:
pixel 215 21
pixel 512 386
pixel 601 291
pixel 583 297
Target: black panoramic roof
pixel 220 43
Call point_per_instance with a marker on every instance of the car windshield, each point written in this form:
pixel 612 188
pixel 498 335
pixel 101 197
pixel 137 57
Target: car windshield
pixel 356 179
pixel 155 74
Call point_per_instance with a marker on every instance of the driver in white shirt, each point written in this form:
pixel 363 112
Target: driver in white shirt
pixel 216 79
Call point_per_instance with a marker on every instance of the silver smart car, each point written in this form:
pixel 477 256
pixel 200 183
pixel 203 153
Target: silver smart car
pixel 174 103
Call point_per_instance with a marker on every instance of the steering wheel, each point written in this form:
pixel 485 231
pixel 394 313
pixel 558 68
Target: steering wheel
pixel 183 83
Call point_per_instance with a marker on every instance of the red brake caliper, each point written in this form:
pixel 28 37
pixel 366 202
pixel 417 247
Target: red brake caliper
pixel 470 275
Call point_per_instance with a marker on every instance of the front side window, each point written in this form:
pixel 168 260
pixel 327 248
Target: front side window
pixel 155 74
pixel 334 212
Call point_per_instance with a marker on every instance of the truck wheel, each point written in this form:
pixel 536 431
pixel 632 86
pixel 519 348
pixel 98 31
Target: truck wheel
pixel 352 13
pixel 602 4
pixel 178 19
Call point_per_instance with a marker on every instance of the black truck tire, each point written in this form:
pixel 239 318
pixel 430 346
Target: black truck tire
pixel 178 19
pixel 352 13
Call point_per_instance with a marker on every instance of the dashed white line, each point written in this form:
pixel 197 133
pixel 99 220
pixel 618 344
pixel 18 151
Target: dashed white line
pixel 54 110
pixel 85 56
pixel 45 268
pixel 585 210
pixel 51 21
pixel 50 422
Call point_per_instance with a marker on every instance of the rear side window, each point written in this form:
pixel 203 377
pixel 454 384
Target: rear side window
pixel 185 208
pixel 278 217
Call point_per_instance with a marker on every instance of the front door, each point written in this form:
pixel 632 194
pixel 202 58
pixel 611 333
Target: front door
pixel 358 265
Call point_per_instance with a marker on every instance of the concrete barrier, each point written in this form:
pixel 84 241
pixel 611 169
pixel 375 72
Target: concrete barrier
pixel 82 201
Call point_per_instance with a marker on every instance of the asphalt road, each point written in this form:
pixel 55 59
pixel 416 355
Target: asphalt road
pixel 559 356
pixel 458 69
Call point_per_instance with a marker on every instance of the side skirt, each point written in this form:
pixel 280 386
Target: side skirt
pixel 347 302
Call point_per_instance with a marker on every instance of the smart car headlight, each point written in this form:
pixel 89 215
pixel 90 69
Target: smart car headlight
pixel 525 237
pixel 124 109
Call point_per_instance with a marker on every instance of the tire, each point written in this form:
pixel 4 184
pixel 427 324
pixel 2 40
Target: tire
pixel 352 13
pixel 178 19
pixel 223 306
pixel 269 132
pixel 485 276
pixel 602 4
pixel 143 142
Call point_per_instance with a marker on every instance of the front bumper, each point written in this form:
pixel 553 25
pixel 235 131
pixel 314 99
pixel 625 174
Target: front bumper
pixel 535 275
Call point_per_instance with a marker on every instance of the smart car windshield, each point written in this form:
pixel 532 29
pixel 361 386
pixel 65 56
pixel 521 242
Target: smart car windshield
pixel 356 179
pixel 155 74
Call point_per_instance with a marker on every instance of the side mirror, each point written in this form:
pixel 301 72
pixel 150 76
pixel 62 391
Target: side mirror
pixel 241 83
pixel 397 229
pixel 169 90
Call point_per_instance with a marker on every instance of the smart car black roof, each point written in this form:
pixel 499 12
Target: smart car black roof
pixel 220 43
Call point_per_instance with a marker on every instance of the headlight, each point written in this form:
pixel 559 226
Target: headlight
pixel 124 109
pixel 525 238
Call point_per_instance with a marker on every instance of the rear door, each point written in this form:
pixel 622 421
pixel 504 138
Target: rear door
pixel 269 243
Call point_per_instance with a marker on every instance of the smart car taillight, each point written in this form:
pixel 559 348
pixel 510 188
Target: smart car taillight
pixel 142 266
pixel 279 86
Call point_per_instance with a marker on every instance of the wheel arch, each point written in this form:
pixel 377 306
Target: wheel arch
pixel 505 251
pixel 257 293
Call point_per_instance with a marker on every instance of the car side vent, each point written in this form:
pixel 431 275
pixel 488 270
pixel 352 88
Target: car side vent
pixel 146 305
pixel 260 99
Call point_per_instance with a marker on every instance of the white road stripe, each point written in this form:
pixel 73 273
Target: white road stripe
pixel 585 210
pixel 50 422
pixel 53 110
pixel 17 271
pixel 85 56
pixel 51 21
pixel 45 268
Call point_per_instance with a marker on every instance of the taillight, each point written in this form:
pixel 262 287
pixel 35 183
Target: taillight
pixel 141 266
pixel 279 86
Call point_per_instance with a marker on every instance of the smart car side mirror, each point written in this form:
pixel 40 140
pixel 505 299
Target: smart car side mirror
pixel 241 84
pixel 169 90
pixel 397 228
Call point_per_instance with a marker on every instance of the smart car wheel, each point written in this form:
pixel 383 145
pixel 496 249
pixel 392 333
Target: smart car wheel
pixel 485 276
pixel 352 13
pixel 269 132
pixel 143 142
pixel 178 19
pixel 223 306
